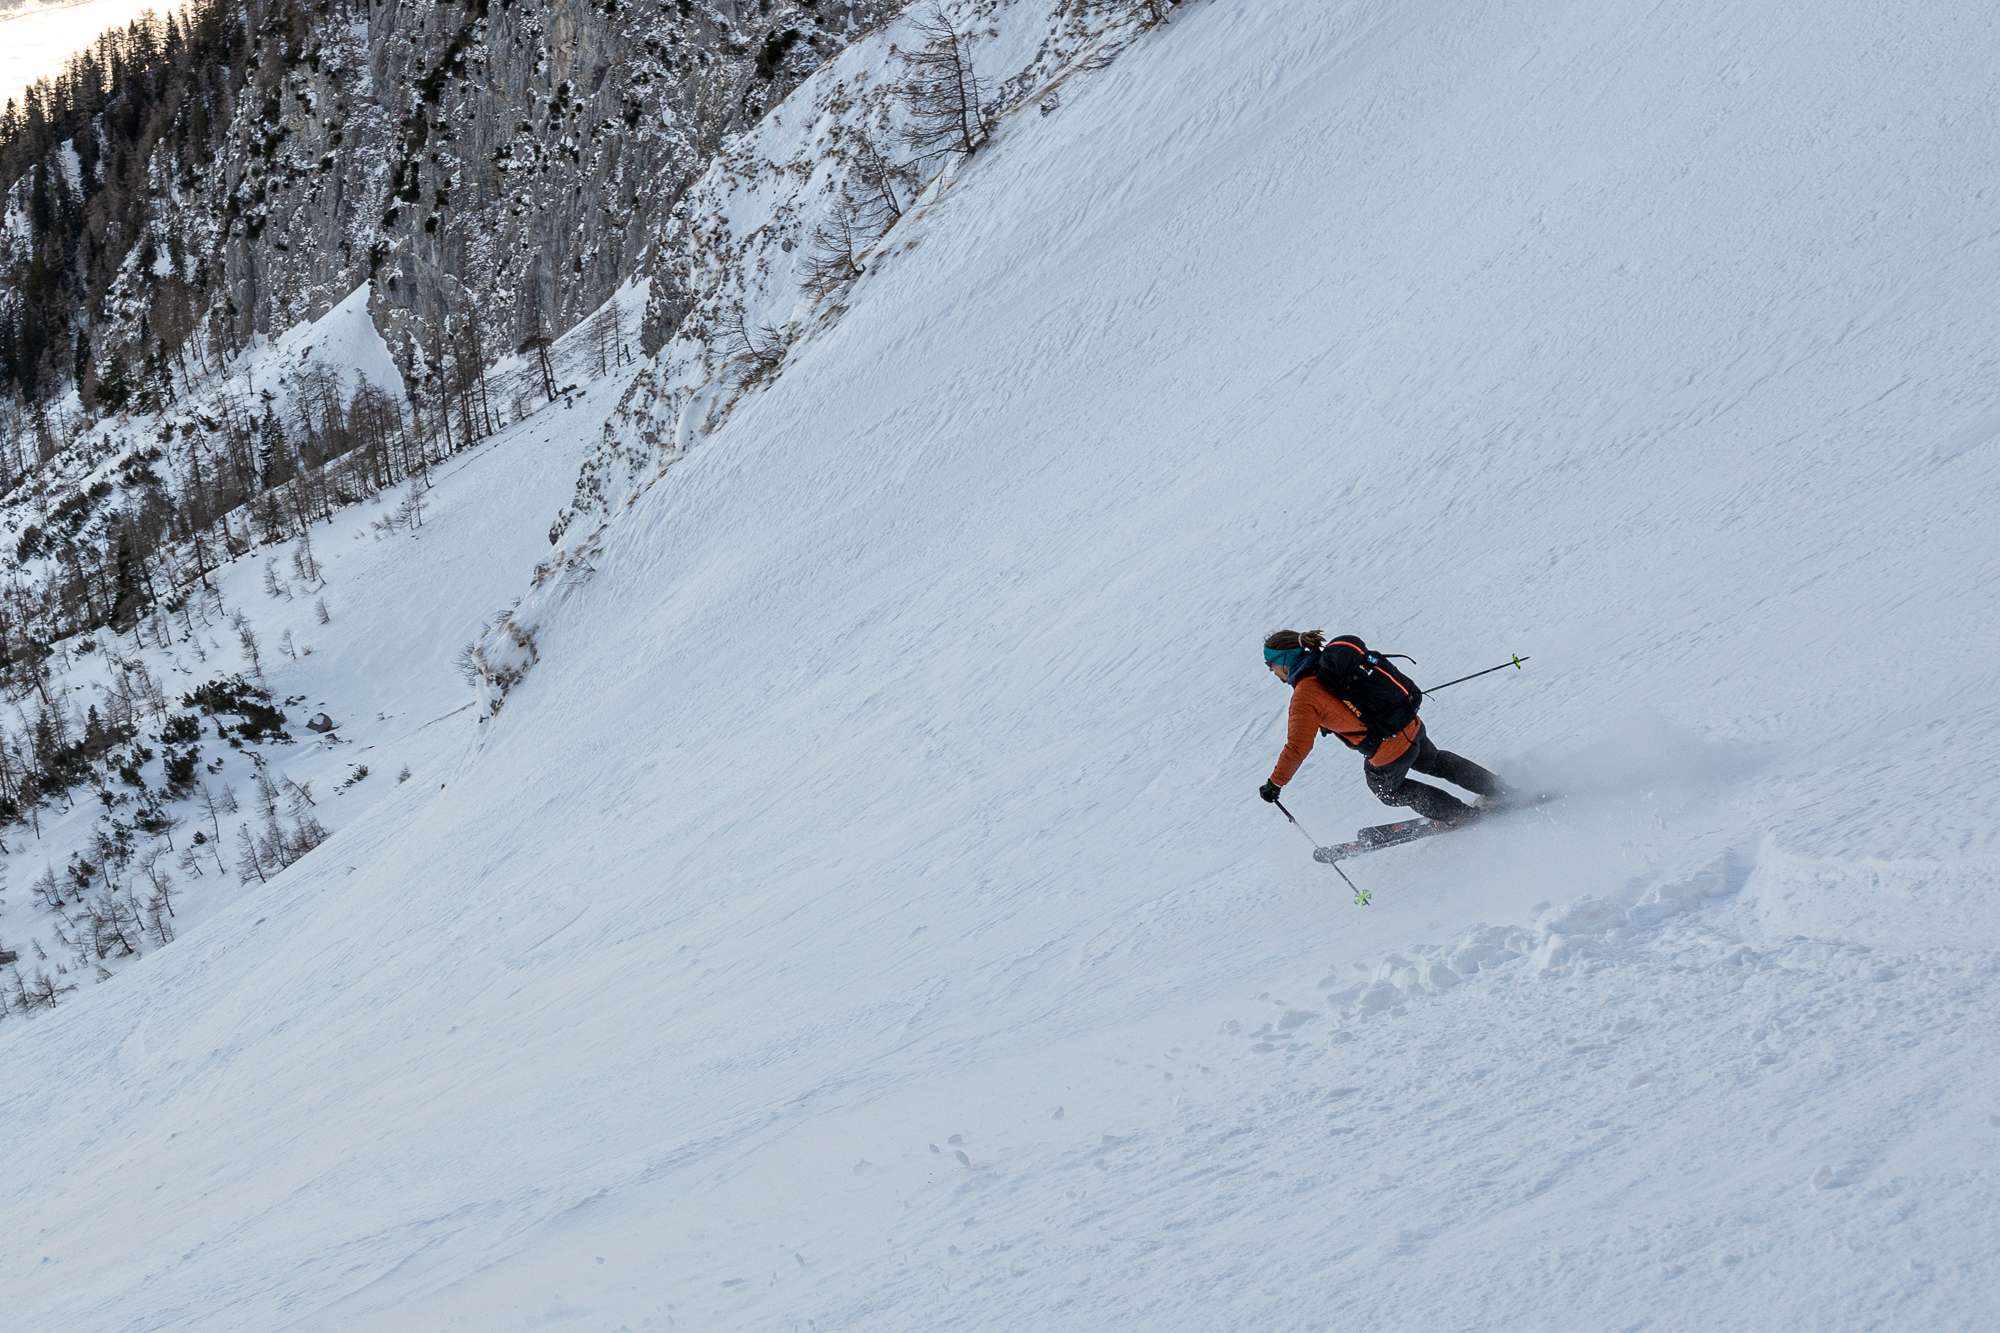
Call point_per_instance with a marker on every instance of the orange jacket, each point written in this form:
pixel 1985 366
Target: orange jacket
pixel 1313 710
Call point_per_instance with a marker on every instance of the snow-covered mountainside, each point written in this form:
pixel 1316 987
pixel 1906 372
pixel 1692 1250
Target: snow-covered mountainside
pixel 859 915
pixel 228 169
pixel 150 775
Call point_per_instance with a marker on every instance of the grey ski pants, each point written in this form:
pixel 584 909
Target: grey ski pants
pixel 1392 784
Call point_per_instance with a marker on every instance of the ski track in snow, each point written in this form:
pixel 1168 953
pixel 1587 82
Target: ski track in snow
pixel 862 918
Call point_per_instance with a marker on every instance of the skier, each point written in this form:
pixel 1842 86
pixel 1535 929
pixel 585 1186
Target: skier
pixel 1340 688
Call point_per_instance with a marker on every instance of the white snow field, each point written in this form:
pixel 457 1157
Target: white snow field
pixel 862 917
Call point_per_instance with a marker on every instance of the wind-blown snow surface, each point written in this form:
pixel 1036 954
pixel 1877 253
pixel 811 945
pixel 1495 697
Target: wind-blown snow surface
pixel 863 918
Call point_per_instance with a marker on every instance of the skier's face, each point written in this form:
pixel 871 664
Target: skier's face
pixel 1279 671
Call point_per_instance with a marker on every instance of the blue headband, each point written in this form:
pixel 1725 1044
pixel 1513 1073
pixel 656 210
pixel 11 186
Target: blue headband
pixel 1285 657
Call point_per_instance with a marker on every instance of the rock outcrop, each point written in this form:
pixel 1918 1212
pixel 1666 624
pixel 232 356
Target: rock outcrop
pixel 497 167
pixel 512 157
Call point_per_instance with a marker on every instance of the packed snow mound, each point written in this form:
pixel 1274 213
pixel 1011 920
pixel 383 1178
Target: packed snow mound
pixel 343 343
pixel 862 916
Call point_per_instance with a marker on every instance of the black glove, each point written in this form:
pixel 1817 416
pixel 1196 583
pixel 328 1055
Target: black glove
pixel 1270 791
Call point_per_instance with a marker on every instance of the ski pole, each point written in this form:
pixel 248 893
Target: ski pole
pixel 1296 824
pixel 1477 674
pixel 1361 896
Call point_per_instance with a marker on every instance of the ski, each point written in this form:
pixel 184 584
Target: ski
pixel 1374 839
pixel 1378 836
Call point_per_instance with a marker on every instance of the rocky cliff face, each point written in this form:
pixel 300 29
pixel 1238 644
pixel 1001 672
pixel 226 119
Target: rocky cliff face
pixel 497 167
pixel 505 158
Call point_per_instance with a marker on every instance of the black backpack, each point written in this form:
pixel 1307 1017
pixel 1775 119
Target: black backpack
pixel 1385 698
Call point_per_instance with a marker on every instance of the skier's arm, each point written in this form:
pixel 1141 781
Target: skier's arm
pixel 1299 736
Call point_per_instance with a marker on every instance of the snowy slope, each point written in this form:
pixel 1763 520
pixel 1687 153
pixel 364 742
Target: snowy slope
pixel 400 583
pixel 345 339
pixel 862 917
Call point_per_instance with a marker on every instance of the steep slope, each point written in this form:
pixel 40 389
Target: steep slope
pixel 862 916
